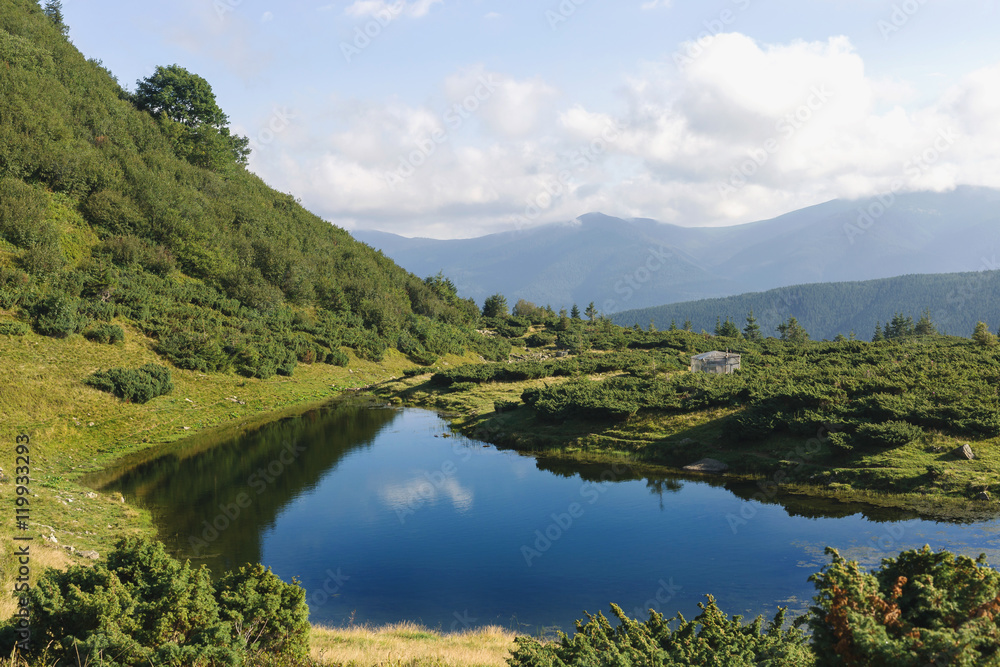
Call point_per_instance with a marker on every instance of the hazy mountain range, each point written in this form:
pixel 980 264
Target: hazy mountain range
pixel 627 264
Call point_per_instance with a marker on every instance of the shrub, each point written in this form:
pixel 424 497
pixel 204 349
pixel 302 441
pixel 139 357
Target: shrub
pixel 922 608
pixel 337 358
pixel 58 316
pixel 194 351
pixel 13 328
pixel 505 406
pixel 540 339
pixel 888 435
pixel 139 385
pixel 463 386
pixel 143 607
pixel 710 639
pixel 105 333
pixel 419 370
pixel 140 607
pixel 22 214
pixel 266 614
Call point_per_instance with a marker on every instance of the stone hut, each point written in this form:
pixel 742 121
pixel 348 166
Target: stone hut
pixel 715 362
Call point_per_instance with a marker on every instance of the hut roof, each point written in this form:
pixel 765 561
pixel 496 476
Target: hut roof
pixel 714 354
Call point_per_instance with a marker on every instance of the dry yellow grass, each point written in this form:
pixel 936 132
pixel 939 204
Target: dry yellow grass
pixel 410 645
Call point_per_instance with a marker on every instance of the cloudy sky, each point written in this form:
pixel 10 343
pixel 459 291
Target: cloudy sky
pixel 455 118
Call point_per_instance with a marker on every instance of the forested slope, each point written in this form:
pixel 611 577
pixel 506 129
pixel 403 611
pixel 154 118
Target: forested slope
pixel 955 301
pixel 108 211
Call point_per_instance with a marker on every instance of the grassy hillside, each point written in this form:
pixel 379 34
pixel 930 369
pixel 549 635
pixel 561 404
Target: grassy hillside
pixel 111 213
pixel 956 302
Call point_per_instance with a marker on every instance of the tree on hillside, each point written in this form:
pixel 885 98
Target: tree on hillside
pixel 53 9
pixel 925 327
pixel 575 312
pixel 591 312
pixel 727 329
pixel 197 126
pixel 983 336
pixel 878 333
pixel 529 311
pixel 673 325
pixel 495 306
pixel 899 327
pixel 688 326
pixel 792 332
pixel 442 286
pixel 752 330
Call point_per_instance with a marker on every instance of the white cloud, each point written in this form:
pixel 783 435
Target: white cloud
pixel 393 8
pixel 267 17
pixel 743 131
pixel 655 4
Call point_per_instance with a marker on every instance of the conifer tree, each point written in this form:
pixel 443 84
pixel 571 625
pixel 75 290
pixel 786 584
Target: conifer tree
pixel 878 333
pixel 53 9
pixel 925 327
pixel 752 330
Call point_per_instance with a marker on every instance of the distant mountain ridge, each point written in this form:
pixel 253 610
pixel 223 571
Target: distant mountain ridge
pixel 955 301
pixel 626 264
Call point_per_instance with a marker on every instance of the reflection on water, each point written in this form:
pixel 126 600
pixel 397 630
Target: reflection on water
pixel 384 517
pixel 213 505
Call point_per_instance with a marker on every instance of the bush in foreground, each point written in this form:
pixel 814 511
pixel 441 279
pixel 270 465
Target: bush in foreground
pixel 711 639
pixel 143 607
pixel 922 608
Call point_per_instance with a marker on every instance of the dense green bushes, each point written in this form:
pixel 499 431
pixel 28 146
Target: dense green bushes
pixel 105 333
pixel 13 328
pixel 142 607
pixel 922 608
pixel 139 385
pixel 711 639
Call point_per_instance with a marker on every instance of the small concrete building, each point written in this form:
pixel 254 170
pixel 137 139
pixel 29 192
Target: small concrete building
pixel 715 362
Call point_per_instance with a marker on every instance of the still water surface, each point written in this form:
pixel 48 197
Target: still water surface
pixel 385 516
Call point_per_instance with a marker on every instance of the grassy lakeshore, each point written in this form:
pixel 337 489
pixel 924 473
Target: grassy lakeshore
pixel 923 477
pixel 76 430
pixel 410 645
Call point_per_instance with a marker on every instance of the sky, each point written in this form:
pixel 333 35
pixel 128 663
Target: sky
pixel 458 118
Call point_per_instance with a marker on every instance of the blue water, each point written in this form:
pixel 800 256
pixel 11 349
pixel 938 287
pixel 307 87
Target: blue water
pixel 413 525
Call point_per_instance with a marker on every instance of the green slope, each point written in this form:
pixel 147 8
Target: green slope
pixel 956 302
pixel 105 214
